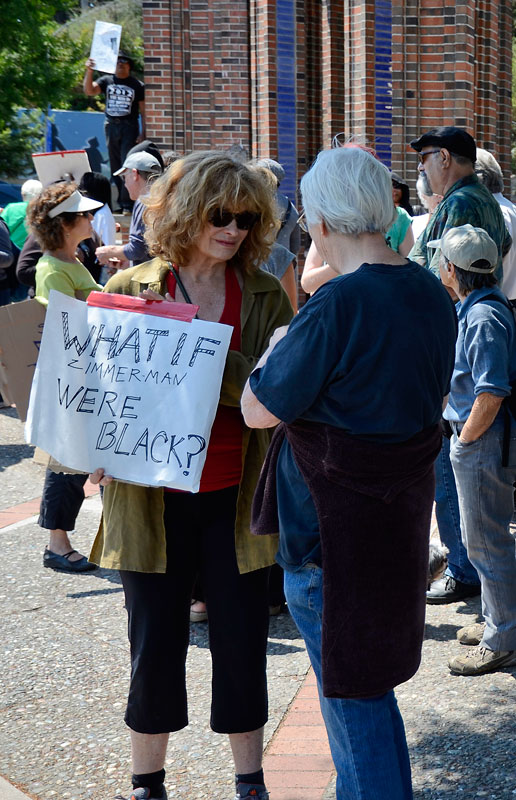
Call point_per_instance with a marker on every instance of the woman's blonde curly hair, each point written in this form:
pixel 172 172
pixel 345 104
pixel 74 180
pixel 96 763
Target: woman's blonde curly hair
pixel 50 233
pixel 181 202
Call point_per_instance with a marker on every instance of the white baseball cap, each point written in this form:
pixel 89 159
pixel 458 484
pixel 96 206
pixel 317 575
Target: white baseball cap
pixel 468 248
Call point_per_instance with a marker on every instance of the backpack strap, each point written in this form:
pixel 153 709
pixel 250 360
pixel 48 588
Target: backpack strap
pixel 286 215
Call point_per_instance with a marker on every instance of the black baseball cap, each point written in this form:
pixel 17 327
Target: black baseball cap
pixel 455 140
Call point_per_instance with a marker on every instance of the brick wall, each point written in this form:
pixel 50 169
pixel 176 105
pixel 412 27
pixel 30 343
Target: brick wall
pixel 282 77
pixel 451 65
pixel 197 73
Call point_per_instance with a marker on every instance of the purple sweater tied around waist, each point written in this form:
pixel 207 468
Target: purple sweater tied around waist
pixel 374 505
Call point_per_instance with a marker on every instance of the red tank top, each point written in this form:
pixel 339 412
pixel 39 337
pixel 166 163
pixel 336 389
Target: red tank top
pixel 223 465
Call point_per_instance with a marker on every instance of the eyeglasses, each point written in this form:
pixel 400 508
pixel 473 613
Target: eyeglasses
pixel 122 61
pixel 301 221
pixel 245 220
pixel 422 156
pixel 83 214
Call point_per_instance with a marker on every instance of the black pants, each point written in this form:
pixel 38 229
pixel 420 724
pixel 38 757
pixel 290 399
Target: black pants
pixel 200 539
pixel 61 500
pixel 120 137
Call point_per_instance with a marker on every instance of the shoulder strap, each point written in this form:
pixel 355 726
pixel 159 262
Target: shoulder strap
pixel 286 215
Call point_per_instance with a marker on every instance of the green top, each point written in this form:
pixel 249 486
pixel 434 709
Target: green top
pixel 71 279
pixel 14 217
pixel 467 200
pixel 398 229
pixel 132 531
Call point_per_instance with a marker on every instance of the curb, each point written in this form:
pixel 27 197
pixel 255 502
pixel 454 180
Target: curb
pixel 297 762
pixel 10 792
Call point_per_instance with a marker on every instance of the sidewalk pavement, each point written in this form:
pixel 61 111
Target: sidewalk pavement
pixel 64 665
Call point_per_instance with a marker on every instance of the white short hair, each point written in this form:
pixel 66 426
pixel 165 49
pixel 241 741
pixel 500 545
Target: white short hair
pixel 31 189
pixel 350 190
pixel 489 171
pixel 423 190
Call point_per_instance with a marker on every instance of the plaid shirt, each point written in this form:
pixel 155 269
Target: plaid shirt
pixel 467 200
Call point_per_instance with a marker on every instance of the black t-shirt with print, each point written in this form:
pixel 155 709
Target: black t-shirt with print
pixel 122 96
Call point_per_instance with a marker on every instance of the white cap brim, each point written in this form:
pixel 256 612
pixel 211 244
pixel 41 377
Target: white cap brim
pixel 73 204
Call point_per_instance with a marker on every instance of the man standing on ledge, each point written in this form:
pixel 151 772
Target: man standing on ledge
pixel 447 157
pixel 125 99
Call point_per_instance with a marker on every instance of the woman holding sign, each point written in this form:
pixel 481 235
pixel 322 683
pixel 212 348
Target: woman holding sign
pixel 210 225
pixel 60 219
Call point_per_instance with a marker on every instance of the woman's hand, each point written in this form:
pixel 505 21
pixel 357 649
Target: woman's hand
pixel 150 294
pixel 98 477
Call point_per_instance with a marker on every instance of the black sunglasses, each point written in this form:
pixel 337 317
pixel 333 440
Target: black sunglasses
pixel 245 220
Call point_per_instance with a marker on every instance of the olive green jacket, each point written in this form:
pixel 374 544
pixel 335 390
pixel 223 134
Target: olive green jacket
pixel 132 532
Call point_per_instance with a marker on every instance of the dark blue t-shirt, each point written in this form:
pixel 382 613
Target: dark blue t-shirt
pixel 371 353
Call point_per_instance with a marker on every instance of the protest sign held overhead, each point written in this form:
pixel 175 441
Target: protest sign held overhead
pixel 105 45
pixel 123 385
pixel 61 165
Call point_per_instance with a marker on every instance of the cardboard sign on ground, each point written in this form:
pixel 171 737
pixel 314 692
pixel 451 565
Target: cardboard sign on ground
pixel 21 327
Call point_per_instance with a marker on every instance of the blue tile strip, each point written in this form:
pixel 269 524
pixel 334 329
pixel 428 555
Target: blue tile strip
pixel 383 80
pixel 286 89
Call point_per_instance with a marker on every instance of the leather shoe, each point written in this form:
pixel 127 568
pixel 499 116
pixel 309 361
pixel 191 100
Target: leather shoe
pixel 450 590
pixel 63 563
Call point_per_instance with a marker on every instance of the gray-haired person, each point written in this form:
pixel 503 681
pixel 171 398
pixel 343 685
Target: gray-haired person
pixel 289 234
pixel 356 386
pixel 429 201
pixel 489 172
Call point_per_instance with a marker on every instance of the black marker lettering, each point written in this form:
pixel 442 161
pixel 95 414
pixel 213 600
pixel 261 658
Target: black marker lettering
pixel 64 395
pixel 108 430
pixel 113 341
pixel 198 349
pixel 108 400
pixel 80 348
pixel 119 442
pixel 179 347
pixel 155 332
pixel 127 407
pixel 172 449
pixel 160 435
pixel 89 401
pixel 134 346
pixel 143 441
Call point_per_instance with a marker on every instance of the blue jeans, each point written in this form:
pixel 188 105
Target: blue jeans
pixel 448 519
pixel 367 737
pixel 486 501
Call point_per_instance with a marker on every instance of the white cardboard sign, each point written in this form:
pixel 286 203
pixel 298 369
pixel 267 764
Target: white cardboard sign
pixel 63 164
pixel 105 45
pixel 133 393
